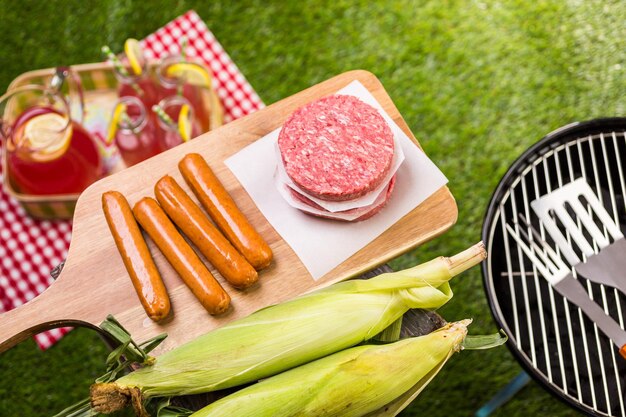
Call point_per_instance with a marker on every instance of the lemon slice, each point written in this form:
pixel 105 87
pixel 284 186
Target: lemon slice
pixel 191 73
pixel 120 108
pixel 47 135
pixel 184 123
pixel 133 52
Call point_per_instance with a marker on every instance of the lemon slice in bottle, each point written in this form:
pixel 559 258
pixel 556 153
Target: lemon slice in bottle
pixel 191 73
pixel 184 123
pixel 47 135
pixel 134 54
pixel 120 109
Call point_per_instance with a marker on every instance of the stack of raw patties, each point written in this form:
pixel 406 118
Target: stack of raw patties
pixel 339 159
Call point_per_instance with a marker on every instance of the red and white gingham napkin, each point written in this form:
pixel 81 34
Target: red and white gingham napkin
pixel 30 249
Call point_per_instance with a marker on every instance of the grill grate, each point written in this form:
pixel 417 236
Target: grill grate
pixel 552 338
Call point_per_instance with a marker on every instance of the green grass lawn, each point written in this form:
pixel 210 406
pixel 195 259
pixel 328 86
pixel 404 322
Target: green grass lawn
pixel 477 81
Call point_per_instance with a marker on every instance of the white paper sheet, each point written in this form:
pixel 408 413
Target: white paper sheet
pixel 323 244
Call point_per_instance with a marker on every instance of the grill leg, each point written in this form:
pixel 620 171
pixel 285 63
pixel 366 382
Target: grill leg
pixel 504 395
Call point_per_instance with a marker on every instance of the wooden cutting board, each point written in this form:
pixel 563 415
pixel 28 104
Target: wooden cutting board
pixel 94 283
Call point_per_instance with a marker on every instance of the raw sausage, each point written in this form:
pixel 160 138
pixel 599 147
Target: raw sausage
pixel 224 212
pixel 181 256
pixel 136 256
pixel 196 225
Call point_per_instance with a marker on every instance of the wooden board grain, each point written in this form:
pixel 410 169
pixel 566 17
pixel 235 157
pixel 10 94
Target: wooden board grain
pixel 94 282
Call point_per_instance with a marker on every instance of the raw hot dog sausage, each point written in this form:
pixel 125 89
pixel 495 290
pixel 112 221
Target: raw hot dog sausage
pixel 136 256
pixel 181 256
pixel 196 225
pixel 224 212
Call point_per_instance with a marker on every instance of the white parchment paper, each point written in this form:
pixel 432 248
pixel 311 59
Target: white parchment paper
pixel 323 244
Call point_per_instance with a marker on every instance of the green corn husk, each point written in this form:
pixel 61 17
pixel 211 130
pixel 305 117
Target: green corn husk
pixel 351 383
pixel 289 334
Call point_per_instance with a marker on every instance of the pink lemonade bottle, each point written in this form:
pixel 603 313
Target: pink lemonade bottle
pixel 133 74
pixel 140 86
pixel 192 80
pixel 136 135
pixel 170 125
pixel 48 153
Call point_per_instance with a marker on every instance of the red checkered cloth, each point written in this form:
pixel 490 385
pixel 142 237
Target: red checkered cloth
pixel 30 249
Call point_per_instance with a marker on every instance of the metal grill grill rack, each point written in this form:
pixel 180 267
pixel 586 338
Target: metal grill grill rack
pixel 553 340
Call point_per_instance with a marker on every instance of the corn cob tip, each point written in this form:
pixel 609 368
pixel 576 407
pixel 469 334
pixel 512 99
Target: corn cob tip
pixel 460 328
pixel 468 258
pixel 109 397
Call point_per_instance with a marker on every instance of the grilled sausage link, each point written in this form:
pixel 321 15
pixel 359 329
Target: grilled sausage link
pixel 136 256
pixel 189 218
pixel 181 256
pixel 224 212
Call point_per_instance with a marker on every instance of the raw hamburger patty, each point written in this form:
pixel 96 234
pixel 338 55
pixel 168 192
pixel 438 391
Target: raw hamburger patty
pixel 337 148
pixel 364 213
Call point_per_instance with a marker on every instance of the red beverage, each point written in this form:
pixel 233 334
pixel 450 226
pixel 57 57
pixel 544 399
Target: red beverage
pixel 135 81
pixel 191 80
pixel 148 91
pixel 170 132
pixel 137 138
pixel 69 169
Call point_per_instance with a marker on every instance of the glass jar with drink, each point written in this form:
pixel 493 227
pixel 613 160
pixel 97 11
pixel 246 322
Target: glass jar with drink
pixel 134 131
pixel 133 74
pixel 182 76
pixel 176 121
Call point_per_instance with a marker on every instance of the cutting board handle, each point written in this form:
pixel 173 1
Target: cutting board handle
pixel 43 312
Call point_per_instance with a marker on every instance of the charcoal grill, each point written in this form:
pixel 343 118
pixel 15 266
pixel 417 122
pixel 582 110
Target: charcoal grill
pixel 551 338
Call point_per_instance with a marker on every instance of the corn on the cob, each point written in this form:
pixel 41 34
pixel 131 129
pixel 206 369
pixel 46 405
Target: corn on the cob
pixel 350 383
pixel 286 335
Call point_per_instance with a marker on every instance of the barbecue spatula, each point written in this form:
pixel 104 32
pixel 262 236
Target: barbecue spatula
pixel 608 266
pixel 559 276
